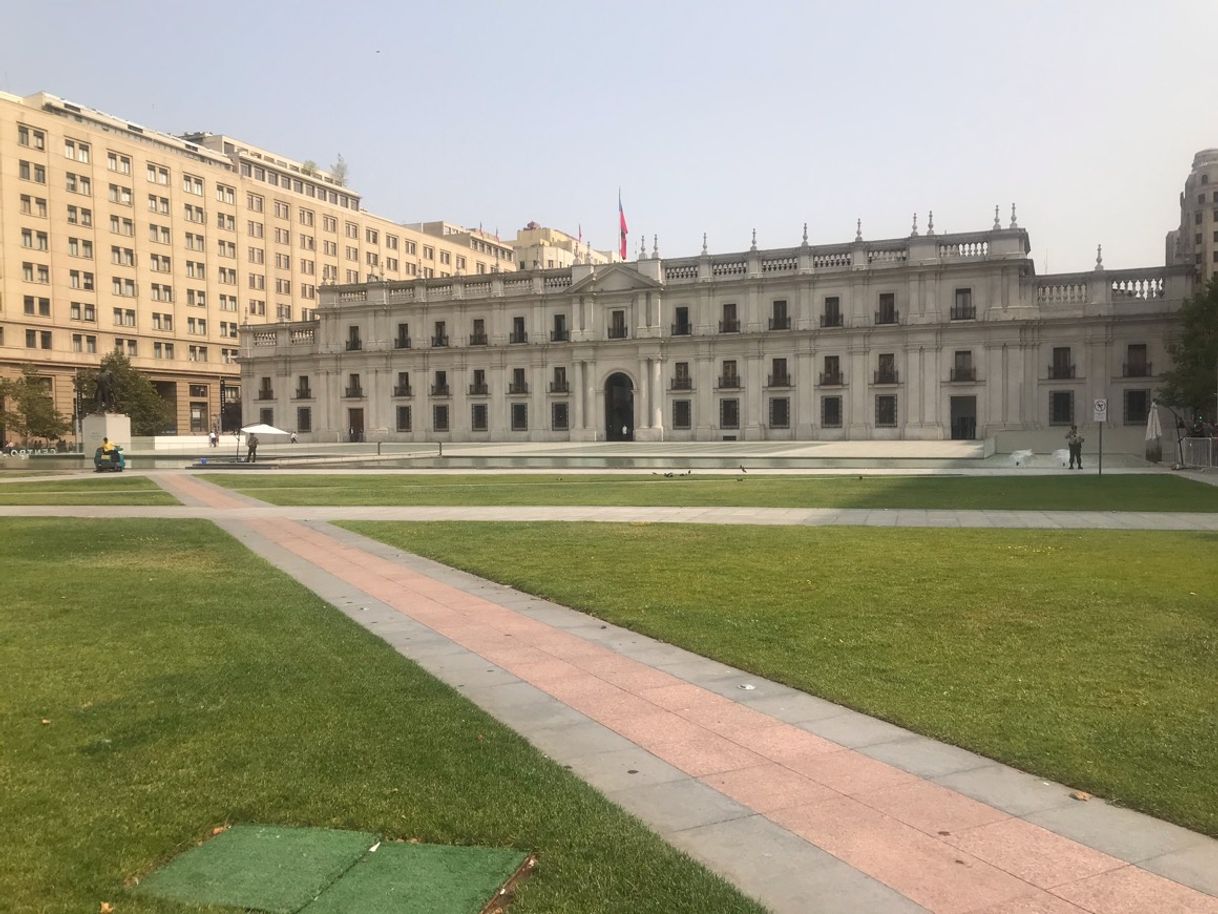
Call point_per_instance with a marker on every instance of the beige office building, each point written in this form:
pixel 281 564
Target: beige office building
pixel 115 236
pixel 540 248
pixel 1195 242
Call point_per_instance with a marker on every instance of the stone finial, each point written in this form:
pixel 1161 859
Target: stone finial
pixel 753 245
pixel 913 233
pixel 704 244
pixel 997 223
pixel 642 247
pixel 655 247
pixel 1099 257
pixel 858 230
pixel 805 242
pixel 1014 222
pixel 930 222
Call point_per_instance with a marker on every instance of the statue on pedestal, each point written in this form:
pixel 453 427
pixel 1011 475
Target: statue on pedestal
pixel 105 392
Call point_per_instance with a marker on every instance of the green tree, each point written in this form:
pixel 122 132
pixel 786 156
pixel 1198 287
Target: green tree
pixel 1191 382
pixel 134 395
pixel 338 171
pixel 27 408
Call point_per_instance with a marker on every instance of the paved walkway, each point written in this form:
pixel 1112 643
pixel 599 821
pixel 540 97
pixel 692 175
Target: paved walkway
pixel 805 805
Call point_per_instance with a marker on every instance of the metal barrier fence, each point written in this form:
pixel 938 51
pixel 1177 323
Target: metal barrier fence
pixel 1197 452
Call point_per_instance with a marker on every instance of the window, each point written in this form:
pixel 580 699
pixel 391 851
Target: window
pixel 439 417
pixel 28 136
pixel 729 377
pixel 39 306
pixel 1062 366
pixel 518 332
pixel 226 248
pixel 304 419
pixel 119 194
pixel 38 241
pixel 1136 364
pixel 80 215
pixel 158 204
pixel 123 286
pixel 196 298
pixel 730 323
pixel 194 213
pixel 162 321
pixel 886 411
pixel 962 308
pixel 37 272
pixel 124 257
pixel 680 325
pixel 81 311
pixel 118 163
pixel 282 210
pixel 962 366
pixel 559 417
pixel 886 371
pixel 122 226
pixel 124 317
pixel 79 279
pixel 831 412
pixel 78 184
pixel 33 206
pixel 257 281
pixel 778 373
pixel 1137 406
pixel 729 413
pixel 477 417
pixel 888 309
pixel 256 255
pixel 197 353
pixel 520 417
pixel 228 303
pixel 225 194
pixel 226 221
pixel 158 174
pixel 38 339
pixel 780 319
pixel 192 184
pixel 429 253
pixel 403 418
pixel 31 171
pixel 1061 407
pixel 75 149
pixel 681 413
pixel 159 234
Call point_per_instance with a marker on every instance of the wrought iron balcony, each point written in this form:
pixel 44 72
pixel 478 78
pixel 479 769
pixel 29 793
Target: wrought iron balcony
pixel 519 337
pixel 685 383
pixel 353 393
pixel 830 320
pixel 682 329
pixel 963 373
pixel 439 390
pixel 1136 370
pixel 439 342
pixel 729 326
pixel 1061 372
pixel 479 390
pixel 477 339
pixel 832 379
pixel 265 394
pixel 560 336
pixel 615 332
pixel 518 387
pixel 303 393
pixel 780 323
pixel 560 387
pixel 779 380
pixel 885 376
pixel 888 317
pixel 354 345
pixel 729 381
pixel 401 342
pixel 964 312
pixel 403 390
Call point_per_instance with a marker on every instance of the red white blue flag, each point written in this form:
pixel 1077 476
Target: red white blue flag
pixel 621 219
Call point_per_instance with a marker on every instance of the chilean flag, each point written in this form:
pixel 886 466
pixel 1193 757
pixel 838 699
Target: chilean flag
pixel 621 219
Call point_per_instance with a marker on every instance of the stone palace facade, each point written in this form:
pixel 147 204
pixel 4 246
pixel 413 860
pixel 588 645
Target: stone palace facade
pixel 923 337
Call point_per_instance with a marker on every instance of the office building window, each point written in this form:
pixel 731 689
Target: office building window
pixel 681 414
pixel 831 412
pixel 477 417
pixel 439 418
pixel 520 417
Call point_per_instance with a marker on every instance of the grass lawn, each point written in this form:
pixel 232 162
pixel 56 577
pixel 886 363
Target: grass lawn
pixel 184 683
pixel 108 490
pixel 1073 493
pixel 1087 657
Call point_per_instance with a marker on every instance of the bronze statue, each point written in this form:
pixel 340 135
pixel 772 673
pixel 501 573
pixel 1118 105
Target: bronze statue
pixel 105 392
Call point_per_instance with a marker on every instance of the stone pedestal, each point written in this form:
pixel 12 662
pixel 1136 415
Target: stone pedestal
pixel 115 426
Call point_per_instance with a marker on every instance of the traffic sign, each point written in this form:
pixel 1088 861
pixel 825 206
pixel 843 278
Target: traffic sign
pixel 1101 411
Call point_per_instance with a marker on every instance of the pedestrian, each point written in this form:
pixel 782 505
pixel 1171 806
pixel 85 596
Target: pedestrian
pixel 1074 441
pixel 251 443
pixel 292 438
pixel 212 438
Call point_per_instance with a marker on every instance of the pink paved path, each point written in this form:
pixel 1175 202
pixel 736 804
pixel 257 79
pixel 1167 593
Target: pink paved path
pixel 943 850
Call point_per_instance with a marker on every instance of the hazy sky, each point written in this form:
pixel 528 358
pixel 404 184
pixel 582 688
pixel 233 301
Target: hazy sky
pixel 712 117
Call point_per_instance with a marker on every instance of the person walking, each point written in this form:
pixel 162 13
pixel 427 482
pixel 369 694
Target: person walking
pixel 251 443
pixel 1074 441
pixel 212 438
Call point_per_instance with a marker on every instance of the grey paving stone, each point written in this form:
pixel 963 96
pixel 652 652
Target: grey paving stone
pixel 766 861
pixel 678 805
pixel 1007 789
pixel 797 708
pixel 855 730
pixel 925 757
pixel 1195 866
pixel 624 769
pixel 732 686
pixel 1120 832
pixel 570 741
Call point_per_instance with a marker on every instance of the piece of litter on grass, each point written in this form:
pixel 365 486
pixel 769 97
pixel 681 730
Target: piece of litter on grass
pixel 1080 795
pixel 45 721
pixel 372 850
pixel 747 686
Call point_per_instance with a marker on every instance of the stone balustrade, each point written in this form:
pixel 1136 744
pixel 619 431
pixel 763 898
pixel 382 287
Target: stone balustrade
pixel 780 265
pixel 954 250
pixel 729 268
pixel 1054 290
pixel 680 271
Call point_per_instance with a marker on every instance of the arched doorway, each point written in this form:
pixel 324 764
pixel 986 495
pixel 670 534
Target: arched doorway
pixel 619 408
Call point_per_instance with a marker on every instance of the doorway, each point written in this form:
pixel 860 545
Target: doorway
pixel 964 418
pixel 355 424
pixel 619 408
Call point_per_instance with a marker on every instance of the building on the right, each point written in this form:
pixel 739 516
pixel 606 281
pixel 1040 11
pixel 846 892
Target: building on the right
pixel 1195 242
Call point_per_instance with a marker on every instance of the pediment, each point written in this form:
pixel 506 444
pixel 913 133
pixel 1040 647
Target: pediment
pixel 614 277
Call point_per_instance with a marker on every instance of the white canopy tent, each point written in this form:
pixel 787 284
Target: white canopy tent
pixel 259 429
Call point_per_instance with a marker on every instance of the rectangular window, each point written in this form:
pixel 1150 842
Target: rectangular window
pixel 833 312
pixel 831 412
pixel 886 411
pixel 1062 366
pixel 729 413
pixel 730 323
pixel 477 417
pixel 1137 406
pixel 681 414
pixel 1061 407
pixel 304 418
pixel 559 420
pixel 888 309
pixel 780 412
pixel 439 418
pixel 403 417
pixel 520 417
pixel 962 308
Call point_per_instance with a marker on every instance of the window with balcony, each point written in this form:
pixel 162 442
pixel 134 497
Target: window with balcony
pixel 1062 366
pixel 354 343
pixel 779 318
pixel 354 387
pixel 518 332
pixel 887 313
pixel 402 339
pixel 962 366
pixel 439 387
pixel 680 326
pixel 560 333
pixel 265 391
pixel 559 384
pixel 1136 363
pixel 439 339
pixel 681 379
pixel 886 371
pixel 304 390
pixel 778 374
pixel 518 384
pixel 832 316
pixel 963 308
pixel 728 378
pixel 478 387
pixel 730 323
pixel 832 375
pixel 477 336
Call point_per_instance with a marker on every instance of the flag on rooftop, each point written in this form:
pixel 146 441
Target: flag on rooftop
pixel 621 219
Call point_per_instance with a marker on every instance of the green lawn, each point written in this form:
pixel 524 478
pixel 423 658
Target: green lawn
pixel 1087 657
pixel 103 490
pixel 1073 493
pixel 184 683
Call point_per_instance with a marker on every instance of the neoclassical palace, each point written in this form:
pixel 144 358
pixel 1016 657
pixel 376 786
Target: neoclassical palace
pixel 923 337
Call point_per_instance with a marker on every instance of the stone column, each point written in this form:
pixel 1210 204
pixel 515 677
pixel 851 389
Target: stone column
pixel 643 395
pixel 657 397
pixel 577 370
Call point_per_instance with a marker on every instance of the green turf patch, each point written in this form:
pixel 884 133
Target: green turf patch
pixel 102 490
pixel 266 868
pixel 421 879
pixel 1008 493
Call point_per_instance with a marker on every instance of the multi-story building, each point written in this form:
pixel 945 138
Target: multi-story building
pixel 487 252
pixel 117 237
pixel 923 337
pixel 540 248
pixel 1195 242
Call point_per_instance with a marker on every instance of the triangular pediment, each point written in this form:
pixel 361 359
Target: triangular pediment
pixel 614 277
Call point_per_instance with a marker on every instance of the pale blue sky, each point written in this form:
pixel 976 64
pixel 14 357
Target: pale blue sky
pixel 716 117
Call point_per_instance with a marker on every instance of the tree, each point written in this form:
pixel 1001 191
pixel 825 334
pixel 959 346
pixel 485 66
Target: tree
pixel 27 408
pixel 134 395
pixel 338 171
pixel 308 167
pixel 1191 382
